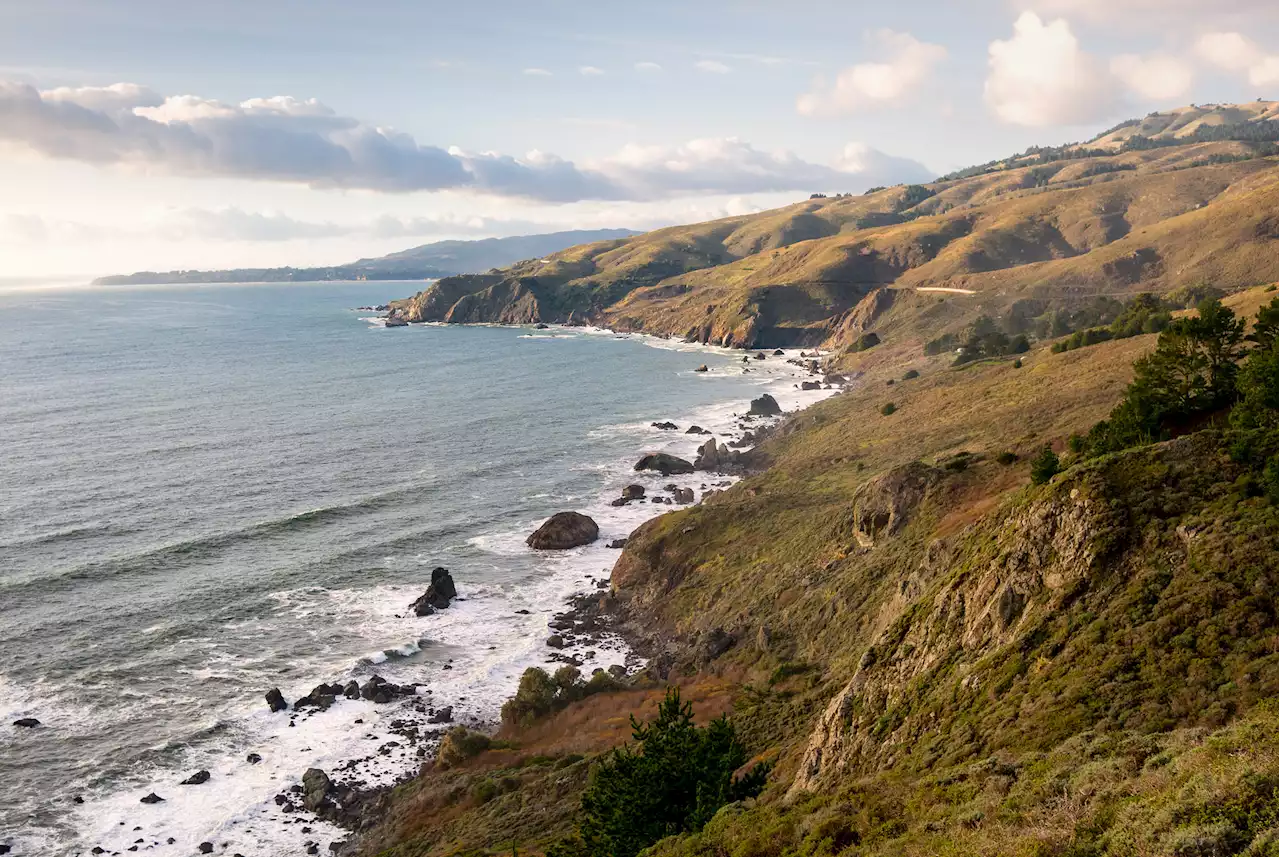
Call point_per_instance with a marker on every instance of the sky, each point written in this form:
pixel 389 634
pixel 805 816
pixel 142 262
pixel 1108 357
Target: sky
pixel 152 135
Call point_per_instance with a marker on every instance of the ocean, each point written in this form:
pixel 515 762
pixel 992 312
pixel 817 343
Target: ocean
pixel 210 491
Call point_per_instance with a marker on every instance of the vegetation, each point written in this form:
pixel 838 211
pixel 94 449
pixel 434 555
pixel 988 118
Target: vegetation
pixel 1044 466
pixel 671 780
pixel 541 694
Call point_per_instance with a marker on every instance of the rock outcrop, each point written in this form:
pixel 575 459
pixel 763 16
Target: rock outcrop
pixel 714 456
pixel 663 463
pixel 765 406
pixel 438 595
pixel 564 530
pixel 883 505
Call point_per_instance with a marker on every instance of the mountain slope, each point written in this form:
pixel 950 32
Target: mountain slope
pixel 428 261
pixel 1057 224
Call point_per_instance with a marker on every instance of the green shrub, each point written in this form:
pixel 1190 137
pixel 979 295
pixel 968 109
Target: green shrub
pixel 910 373
pixel 1044 466
pixel 888 409
pixel 672 780
pixel 460 744
pixel 1006 457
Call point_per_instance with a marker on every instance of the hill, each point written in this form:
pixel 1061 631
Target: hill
pixel 941 644
pixel 427 261
pixel 1061 226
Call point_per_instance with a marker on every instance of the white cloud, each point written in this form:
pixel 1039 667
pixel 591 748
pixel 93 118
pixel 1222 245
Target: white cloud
pixel 536 72
pixel 1234 53
pixel 1157 76
pixel 1145 13
pixel 590 71
pixel 907 63
pixel 648 67
pixel 285 139
pixel 712 67
pixel 1040 76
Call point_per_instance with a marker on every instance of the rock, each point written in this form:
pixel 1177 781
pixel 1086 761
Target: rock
pixel 196 779
pixel 684 496
pixel 5 849
pixel 555 641
pixel 617 671
pixel 633 492
pixel 760 355
pixel 810 385
pixel 275 700
pixel 665 426
pixel 253 758
pixel 621 501
pixel 540 326
pixel 702 368
pixel 617 544
pixel 716 642
pixel 443 715
pixel 316 786
pixel 438 595
pixel 834 379
pixel 206 847
pixel 26 722
pixel 778 352
pixel 696 430
pixel 663 463
pixel 883 505
pixel 564 530
pixel 351 690
pixel 394 321
pixel 765 406
pixel 716 456
pixel 370 688
pixel 152 798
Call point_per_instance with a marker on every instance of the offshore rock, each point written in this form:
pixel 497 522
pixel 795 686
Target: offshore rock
pixel 564 530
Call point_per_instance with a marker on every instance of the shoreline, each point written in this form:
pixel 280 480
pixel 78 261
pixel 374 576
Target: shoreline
pixel 403 729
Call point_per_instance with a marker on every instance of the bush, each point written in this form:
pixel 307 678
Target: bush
pixel 540 694
pixel 1006 458
pixel 460 744
pixel 888 409
pixel 672 780
pixel 910 373
pixel 865 341
pixel 1044 466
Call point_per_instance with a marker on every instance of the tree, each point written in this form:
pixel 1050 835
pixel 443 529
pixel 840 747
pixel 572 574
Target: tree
pixel 1044 466
pixel 671 780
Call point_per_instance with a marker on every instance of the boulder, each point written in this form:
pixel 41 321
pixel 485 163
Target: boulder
pixel 394 321
pixel 555 641
pixel 198 778
pixel 760 355
pixel 206 847
pixel 438 595
pixel 778 352
pixel 617 671
pixel 716 456
pixel 540 326
pixel 253 758
pixel 702 368
pixel 684 496
pixel 618 544
pixel 665 426
pixel 26 722
pixel 351 690
pixel 275 700
pixel 696 430
pixel 564 530
pixel 884 504
pixel 621 501
pixel 633 492
pixel 810 385
pixel 765 406
pixel 316 786
pixel 663 463
pixel 834 379
pixel 443 715
pixel 152 798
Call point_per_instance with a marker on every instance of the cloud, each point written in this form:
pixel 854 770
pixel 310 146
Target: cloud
pixel 285 139
pixel 536 72
pixel 908 62
pixel 1157 76
pixel 1234 53
pixel 1144 12
pixel 648 67
pixel 712 67
pixel 1040 76
pixel 235 224
pixel 590 71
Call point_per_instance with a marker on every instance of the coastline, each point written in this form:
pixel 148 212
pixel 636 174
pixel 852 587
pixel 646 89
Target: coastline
pixel 398 736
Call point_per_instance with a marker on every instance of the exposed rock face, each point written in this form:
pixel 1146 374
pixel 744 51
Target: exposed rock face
pixel 765 406
pixel 394 321
pixel 316 786
pixel 434 302
pixel 862 317
pixel 884 504
pixel 275 700
pixel 663 463
pixel 509 301
pixel 716 457
pixel 438 595
pixel 1044 552
pixel 564 530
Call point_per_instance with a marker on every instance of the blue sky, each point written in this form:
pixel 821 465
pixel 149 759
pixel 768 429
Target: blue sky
pixel 157 135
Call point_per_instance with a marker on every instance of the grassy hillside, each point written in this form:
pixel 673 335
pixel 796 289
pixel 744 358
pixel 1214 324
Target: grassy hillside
pixel 1057 225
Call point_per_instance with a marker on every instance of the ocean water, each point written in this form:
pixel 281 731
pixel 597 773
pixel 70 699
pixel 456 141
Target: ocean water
pixel 209 491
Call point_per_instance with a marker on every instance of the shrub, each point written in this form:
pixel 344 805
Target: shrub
pixel 910 373
pixel 888 409
pixel 1017 363
pixel 460 744
pixel 1006 457
pixel 1044 466
pixel 672 780
pixel 865 341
